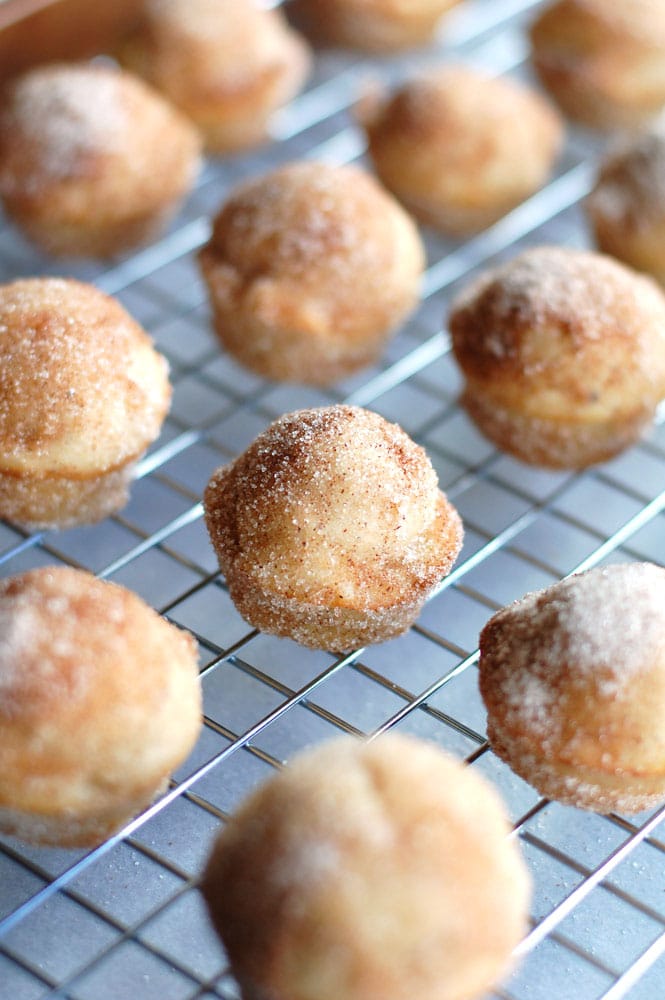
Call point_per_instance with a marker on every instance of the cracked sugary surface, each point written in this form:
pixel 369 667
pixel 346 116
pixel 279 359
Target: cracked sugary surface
pixel 333 509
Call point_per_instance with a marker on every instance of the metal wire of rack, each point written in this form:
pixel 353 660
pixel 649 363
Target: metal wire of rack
pixel 126 920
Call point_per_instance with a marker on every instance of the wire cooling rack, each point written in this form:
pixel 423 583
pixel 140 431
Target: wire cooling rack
pixel 126 920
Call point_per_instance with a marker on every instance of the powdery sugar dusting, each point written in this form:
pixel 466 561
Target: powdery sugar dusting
pixel 76 374
pixel 67 113
pixel 551 283
pixel 600 629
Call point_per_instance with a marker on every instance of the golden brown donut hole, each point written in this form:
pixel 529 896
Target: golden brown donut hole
pixel 227 64
pixel 100 702
pixel 573 678
pixel 602 60
pixel 310 269
pixel 331 529
pixel 82 395
pixel 369 870
pixel 93 162
pixel 458 148
pixel 563 354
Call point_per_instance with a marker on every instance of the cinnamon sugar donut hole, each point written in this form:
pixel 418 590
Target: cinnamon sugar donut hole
pixel 331 529
pixel 92 161
pixel 369 870
pixel 603 62
pixel 82 395
pixel 458 148
pixel 227 64
pixel 310 269
pixel 573 678
pixel 563 353
pixel 100 702
pixel 380 26
pixel 626 208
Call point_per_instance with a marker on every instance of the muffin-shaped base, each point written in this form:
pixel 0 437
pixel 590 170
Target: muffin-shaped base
pixel 340 627
pixel 36 502
pixel 562 443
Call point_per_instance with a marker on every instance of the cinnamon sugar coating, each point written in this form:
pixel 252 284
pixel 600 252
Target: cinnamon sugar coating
pixel 604 62
pixel 366 871
pixel 92 161
pixel 310 268
pixel 573 678
pixel 227 64
pixel 331 529
pixel 82 395
pixel 626 208
pixel 458 148
pixel 371 25
pixel 563 353
pixel 99 702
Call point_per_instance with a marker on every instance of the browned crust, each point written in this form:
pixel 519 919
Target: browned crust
pixel 330 528
pixel 603 63
pixel 379 26
pixel 365 871
pixel 96 183
pixel 461 149
pixel 100 702
pixel 573 679
pixel 310 269
pixel 227 66
pixel 563 353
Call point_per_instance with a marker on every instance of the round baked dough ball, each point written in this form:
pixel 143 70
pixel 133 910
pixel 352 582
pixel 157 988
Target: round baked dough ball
pixel 310 269
pixel 92 161
pixel 365 871
pixel 626 208
pixel 331 529
pixel 371 25
pixel 227 64
pixel 458 148
pixel 82 395
pixel 603 60
pixel 573 678
pixel 100 702
pixel 563 354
